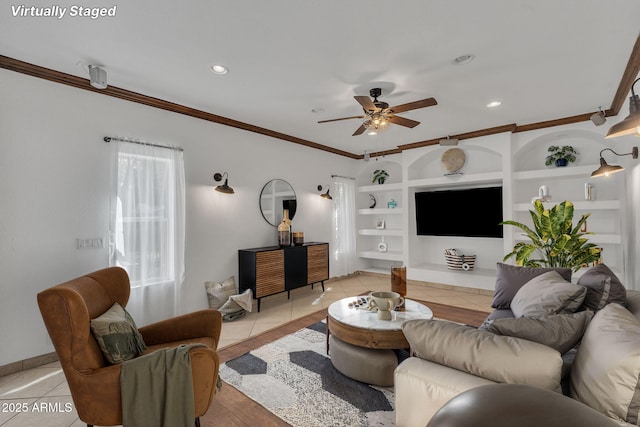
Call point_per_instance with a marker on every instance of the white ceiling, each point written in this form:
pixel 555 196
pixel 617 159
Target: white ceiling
pixel 544 59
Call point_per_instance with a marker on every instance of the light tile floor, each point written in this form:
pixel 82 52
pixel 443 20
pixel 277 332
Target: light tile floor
pixel 41 397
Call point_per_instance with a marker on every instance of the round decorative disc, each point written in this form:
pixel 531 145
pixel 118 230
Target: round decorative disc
pixel 453 159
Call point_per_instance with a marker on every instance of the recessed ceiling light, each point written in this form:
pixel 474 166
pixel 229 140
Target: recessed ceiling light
pixel 493 104
pixel 463 59
pixel 219 69
pixel 317 110
pixel 372 132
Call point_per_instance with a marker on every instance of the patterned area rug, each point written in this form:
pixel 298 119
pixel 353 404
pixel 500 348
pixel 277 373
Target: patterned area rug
pixel 293 378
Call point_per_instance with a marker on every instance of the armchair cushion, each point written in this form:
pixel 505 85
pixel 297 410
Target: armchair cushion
pixel 511 278
pixel 547 294
pixel 560 331
pixel 603 287
pixel 117 335
pixel 606 371
pixel 494 357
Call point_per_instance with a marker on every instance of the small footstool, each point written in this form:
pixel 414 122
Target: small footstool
pixel 367 365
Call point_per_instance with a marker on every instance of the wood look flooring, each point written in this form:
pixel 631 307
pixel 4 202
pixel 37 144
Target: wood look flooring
pixel 231 408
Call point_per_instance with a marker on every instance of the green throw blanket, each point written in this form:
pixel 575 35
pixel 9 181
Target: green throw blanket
pixel 157 389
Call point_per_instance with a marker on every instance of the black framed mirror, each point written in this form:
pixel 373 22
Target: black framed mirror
pixel 276 196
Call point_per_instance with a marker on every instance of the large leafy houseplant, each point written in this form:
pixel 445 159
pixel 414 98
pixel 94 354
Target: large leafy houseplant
pixel 554 241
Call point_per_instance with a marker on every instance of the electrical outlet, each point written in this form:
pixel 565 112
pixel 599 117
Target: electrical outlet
pixel 92 243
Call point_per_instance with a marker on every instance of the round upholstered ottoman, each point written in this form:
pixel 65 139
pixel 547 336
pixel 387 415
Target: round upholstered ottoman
pixel 367 365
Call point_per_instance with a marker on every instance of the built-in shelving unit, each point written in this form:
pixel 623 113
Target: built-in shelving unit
pixel 515 162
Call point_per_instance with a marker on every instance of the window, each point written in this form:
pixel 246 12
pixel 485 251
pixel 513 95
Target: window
pixel 147 237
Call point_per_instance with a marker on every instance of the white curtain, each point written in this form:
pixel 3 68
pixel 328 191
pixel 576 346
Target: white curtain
pixel 147 227
pixel 344 256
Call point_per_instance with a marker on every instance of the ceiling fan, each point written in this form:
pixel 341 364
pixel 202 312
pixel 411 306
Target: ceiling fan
pixel 379 115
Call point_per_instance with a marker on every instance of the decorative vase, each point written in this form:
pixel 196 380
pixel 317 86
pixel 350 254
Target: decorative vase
pixel 284 230
pixel 399 284
pixel 298 238
pixel 561 162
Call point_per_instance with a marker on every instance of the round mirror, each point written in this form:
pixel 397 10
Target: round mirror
pixel 276 196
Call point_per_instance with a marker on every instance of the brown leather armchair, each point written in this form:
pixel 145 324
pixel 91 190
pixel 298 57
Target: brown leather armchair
pixel 95 385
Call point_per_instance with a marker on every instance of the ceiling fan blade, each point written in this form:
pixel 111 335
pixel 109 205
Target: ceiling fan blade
pixel 343 118
pixel 359 131
pixel 414 105
pixel 366 103
pixel 403 121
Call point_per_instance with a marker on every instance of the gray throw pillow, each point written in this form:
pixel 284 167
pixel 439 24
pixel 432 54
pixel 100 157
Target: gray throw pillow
pixel 559 331
pixel 117 335
pixel 606 371
pixel 510 278
pixel 603 287
pixel 547 294
pixel 218 293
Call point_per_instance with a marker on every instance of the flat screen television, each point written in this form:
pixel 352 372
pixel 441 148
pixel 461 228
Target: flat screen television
pixel 470 212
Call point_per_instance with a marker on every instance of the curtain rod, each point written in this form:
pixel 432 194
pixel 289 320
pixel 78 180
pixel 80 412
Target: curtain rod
pixel 341 176
pixel 136 141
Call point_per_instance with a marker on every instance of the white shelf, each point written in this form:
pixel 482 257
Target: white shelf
pixel 555 172
pixel 597 238
pixel 483 278
pixel 381 211
pixel 581 205
pixel 476 178
pixel 389 255
pixel 380 187
pixel 380 232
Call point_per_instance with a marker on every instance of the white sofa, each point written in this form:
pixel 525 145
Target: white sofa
pixel 452 358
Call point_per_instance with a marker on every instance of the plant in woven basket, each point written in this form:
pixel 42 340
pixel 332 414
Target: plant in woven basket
pixel 554 241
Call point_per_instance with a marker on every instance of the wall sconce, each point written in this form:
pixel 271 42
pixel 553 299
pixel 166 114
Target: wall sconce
pixel 605 169
pixel 631 123
pixel 325 195
pixel 224 188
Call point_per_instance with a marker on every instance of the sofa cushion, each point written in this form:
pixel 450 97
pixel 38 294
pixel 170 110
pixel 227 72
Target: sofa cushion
pixel 511 278
pixel 603 287
pixel 559 331
pixel 117 335
pixel 218 293
pixel 606 371
pixel 547 294
pixel 494 357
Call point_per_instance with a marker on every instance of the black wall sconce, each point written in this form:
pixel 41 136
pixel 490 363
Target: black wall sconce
pixel 224 188
pixel 605 169
pixel 325 195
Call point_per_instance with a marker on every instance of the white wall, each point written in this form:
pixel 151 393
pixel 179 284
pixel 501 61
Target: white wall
pixel 54 188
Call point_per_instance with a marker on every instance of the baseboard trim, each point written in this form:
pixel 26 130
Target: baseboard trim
pixel 23 365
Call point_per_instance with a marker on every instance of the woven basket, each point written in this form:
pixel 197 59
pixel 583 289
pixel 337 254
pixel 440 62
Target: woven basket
pixel 460 262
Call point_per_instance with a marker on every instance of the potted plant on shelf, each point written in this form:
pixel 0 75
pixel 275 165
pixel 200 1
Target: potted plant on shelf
pixel 554 241
pixel 380 175
pixel 560 156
